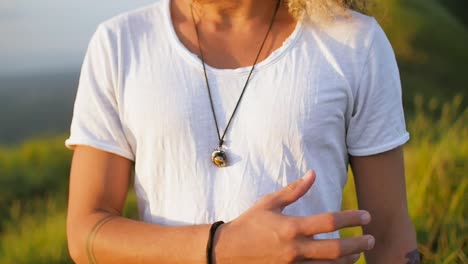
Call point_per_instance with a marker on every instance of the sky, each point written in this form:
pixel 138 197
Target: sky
pixel 49 35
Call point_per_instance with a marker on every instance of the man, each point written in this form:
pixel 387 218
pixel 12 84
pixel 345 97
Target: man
pixel 171 90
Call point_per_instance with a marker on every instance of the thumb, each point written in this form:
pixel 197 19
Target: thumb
pixel 291 193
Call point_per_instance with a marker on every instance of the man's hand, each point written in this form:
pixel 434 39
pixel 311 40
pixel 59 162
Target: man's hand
pixel 264 235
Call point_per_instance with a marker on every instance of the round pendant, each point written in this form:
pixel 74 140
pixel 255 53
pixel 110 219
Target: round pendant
pixel 219 157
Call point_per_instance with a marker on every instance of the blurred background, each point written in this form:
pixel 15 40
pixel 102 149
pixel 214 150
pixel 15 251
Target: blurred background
pixel 42 45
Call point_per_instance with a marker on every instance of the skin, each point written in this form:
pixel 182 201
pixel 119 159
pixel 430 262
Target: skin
pixel 99 181
pixel 231 34
pixel 380 187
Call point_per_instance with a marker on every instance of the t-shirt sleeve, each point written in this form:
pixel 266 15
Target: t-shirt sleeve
pixel 96 120
pixel 377 122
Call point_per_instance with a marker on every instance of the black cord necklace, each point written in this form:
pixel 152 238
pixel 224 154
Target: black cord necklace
pixel 219 155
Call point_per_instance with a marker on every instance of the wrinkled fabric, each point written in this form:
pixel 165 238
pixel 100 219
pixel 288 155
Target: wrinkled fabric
pixel 326 93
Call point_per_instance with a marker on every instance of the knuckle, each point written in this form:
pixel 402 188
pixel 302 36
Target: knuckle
pixel 335 251
pixel 330 222
pixel 268 200
pixel 292 186
pixel 313 251
pixel 289 230
pixel 285 198
pixel 291 253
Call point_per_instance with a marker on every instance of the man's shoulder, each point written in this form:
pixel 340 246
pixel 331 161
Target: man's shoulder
pixel 353 30
pixel 140 19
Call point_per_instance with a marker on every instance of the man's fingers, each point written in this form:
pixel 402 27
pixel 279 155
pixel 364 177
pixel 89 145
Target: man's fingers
pixel 290 193
pixel 333 249
pixel 329 222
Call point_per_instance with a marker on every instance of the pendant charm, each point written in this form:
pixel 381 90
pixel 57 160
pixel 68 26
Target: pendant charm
pixel 219 157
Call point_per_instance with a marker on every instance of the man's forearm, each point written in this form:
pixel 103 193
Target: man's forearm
pixel 394 245
pixel 107 238
pixel 393 254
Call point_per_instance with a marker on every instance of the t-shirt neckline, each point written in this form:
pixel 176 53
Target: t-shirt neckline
pixel 194 59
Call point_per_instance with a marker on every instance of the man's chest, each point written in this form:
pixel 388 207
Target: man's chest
pixel 281 104
pixel 287 121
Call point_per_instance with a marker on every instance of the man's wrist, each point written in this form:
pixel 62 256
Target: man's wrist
pixel 219 247
pixel 210 243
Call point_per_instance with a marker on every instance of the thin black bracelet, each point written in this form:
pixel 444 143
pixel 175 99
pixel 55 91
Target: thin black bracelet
pixel 209 246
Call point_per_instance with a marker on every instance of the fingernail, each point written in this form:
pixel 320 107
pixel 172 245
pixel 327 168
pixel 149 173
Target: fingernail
pixel 307 175
pixel 370 243
pixel 355 257
pixel 365 217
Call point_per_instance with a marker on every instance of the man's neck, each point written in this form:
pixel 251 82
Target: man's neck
pixel 227 13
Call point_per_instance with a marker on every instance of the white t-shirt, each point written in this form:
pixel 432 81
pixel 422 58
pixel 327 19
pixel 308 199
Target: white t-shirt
pixel 323 95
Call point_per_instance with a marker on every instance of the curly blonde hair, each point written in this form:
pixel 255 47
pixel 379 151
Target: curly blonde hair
pixel 311 10
pixel 319 10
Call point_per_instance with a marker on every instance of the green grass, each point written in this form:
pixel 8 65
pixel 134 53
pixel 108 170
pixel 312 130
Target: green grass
pixel 35 169
pixel 33 195
pixel 35 233
pixel 438 196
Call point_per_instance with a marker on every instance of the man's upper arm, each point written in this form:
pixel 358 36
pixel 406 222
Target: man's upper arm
pixel 98 182
pixel 380 183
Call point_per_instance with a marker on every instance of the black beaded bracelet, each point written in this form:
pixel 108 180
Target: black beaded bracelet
pixel 209 246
